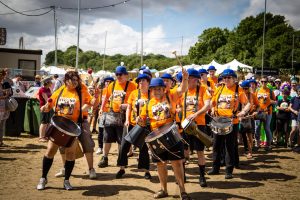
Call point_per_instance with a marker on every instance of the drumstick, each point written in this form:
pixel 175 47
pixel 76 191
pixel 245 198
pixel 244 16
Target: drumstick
pixel 174 52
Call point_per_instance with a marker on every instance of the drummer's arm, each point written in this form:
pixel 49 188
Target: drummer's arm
pixel 205 108
pixel 128 111
pixel 85 107
pixel 184 86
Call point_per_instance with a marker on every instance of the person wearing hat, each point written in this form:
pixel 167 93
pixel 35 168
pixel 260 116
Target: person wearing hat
pixel 43 94
pixel 118 93
pixel 212 77
pixel 160 110
pixel 248 132
pixel 104 85
pixel 137 99
pixel 195 102
pixel 266 99
pixel 225 103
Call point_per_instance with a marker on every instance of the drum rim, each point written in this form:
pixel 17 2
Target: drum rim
pixel 189 122
pixel 157 137
pixel 64 131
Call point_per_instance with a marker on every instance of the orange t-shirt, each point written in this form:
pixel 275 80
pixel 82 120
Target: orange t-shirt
pixel 68 104
pixel 190 95
pixel 264 99
pixel 212 86
pixel 213 79
pixel 253 102
pixel 134 101
pixel 225 101
pixel 160 112
pixel 118 94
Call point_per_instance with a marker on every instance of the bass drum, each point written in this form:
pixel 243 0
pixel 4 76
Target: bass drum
pixel 62 131
pixel 137 135
pixel 163 138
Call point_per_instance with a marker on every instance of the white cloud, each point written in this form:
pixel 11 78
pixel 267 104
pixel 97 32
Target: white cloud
pixel 120 39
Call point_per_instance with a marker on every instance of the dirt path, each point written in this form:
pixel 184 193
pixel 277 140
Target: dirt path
pixel 273 175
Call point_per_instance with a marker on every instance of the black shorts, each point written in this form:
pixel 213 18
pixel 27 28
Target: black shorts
pixel 197 144
pixel 177 150
pixel 113 134
pixel 242 129
pixel 46 117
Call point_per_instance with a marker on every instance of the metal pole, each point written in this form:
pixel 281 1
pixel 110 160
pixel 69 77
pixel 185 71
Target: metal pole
pixel 55 36
pixel 142 32
pixel 293 52
pixel 263 46
pixel 78 33
pixel 104 51
pixel 181 46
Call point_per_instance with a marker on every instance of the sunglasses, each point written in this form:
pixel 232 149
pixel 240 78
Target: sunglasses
pixel 202 74
pixel 227 77
pixel 263 81
pixel 245 88
pixel 119 74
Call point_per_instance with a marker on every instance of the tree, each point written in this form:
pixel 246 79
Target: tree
pixel 50 57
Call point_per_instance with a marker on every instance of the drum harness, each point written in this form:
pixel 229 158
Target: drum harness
pixel 158 141
pixel 112 93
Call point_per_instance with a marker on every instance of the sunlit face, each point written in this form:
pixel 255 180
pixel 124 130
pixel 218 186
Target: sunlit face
pixel 211 72
pixel 168 83
pixel 121 77
pixel 192 83
pixel 158 92
pixel 72 83
pixel 203 76
pixel 263 82
pixel 143 83
pixel 228 80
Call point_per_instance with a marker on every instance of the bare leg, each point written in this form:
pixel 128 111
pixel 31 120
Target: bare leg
pixel 43 130
pixel 250 144
pixel 106 149
pixel 178 172
pixel 163 175
pixel 89 159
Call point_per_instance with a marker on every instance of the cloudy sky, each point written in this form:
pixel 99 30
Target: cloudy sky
pixel 168 24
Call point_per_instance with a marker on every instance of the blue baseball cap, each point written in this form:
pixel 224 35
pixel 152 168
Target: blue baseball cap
pixel 121 70
pixel 211 68
pixel 143 76
pixel 179 76
pixel 229 72
pixel 109 78
pixel 157 82
pixel 245 84
pixel 194 73
pixel 167 76
pixel 148 72
pixel 202 71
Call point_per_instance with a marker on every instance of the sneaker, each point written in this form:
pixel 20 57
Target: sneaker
pixel 103 162
pixel 61 173
pixel 202 181
pixel 99 151
pixel 92 174
pixel 120 173
pixel 147 176
pixel 42 184
pixel 67 185
pixel 213 172
pixel 228 176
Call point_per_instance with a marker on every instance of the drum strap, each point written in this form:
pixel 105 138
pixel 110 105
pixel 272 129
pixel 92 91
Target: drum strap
pixel 236 98
pixel 196 103
pixel 138 105
pixel 219 93
pixel 112 93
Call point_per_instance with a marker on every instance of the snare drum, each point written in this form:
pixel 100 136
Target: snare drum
pixel 62 131
pixel 221 125
pixel 163 138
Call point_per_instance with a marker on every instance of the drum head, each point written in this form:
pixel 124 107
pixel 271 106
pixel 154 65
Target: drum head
pixel 185 123
pixel 157 132
pixel 66 126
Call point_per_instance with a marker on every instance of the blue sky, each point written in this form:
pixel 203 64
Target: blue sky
pixel 165 22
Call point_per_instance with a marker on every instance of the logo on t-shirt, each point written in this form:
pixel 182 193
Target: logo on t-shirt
pixel 161 111
pixel 224 101
pixel 66 105
pixel 190 103
pixel 262 97
pixel 118 95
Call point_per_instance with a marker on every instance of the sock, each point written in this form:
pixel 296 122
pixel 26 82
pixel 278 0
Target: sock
pixel 69 165
pixel 202 170
pixel 47 163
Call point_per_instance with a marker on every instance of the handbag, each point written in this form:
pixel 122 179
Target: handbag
pixel 11 104
pixel 114 119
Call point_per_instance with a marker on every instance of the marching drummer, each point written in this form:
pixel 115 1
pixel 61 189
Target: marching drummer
pixel 225 103
pixel 67 104
pixel 195 103
pixel 160 111
pixel 137 99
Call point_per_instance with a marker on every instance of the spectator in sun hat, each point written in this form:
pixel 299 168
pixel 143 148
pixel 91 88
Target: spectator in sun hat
pixel 37 81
